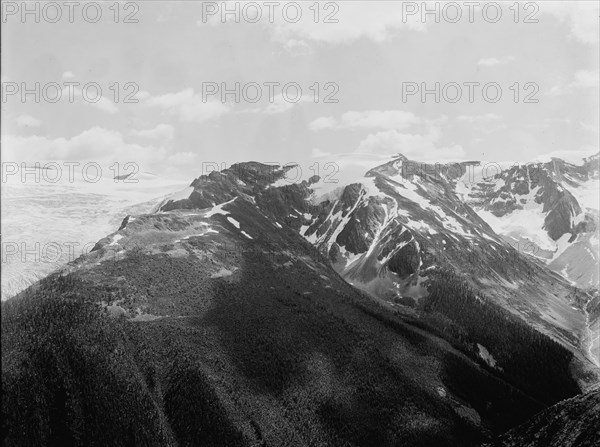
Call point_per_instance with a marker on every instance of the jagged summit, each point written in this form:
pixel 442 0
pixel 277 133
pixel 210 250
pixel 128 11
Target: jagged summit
pixel 552 208
pixel 547 208
pixel 246 180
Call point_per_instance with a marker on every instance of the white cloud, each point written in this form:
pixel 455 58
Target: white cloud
pixel 488 62
pixel 555 90
pixel 550 122
pixel 336 24
pixel 352 166
pixel 486 118
pixel 376 119
pixel 422 147
pixel 586 79
pixel 106 105
pixel 28 121
pixel 575 156
pixel 369 119
pixel 280 104
pixel 102 103
pixel 68 75
pixel 581 79
pixel 250 110
pixel 182 159
pixel 377 21
pixel 97 144
pixel 188 106
pixel 323 122
pixel 580 16
pixel 142 94
pixel 297 47
pixel 161 131
pixel 492 61
pixel 318 153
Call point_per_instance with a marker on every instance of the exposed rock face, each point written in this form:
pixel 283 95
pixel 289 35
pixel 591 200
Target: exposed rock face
pixel 220 186
pixel 574 422
pixel 391 232
pixel 551 209
pixel 406 261
pixel 519 187
pixel 358 235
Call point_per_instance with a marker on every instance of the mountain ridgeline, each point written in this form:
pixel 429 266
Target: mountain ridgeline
pixel 550 207
pixel 251 311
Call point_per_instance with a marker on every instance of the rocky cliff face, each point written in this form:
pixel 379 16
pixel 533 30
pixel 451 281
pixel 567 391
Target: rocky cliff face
pixel 572 423
pixel 393 230
pixel 551 209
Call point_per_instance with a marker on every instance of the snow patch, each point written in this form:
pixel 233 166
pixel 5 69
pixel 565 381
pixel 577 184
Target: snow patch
pixel 208 230
pixel 223 272
pixel 116 238
pixel 218 209
pixel 234 222
pixel 486 356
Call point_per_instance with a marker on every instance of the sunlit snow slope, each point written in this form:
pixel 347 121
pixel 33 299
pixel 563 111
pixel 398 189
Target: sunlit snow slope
pixel 548 209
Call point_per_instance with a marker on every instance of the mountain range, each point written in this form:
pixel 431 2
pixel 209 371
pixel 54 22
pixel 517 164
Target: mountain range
pixel 551 208
pixel 423 304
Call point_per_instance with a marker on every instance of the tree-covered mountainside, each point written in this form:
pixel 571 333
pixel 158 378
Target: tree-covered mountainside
pixel 265 358
pixel 573 422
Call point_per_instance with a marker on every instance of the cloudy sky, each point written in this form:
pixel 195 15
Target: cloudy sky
pixel 357 101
